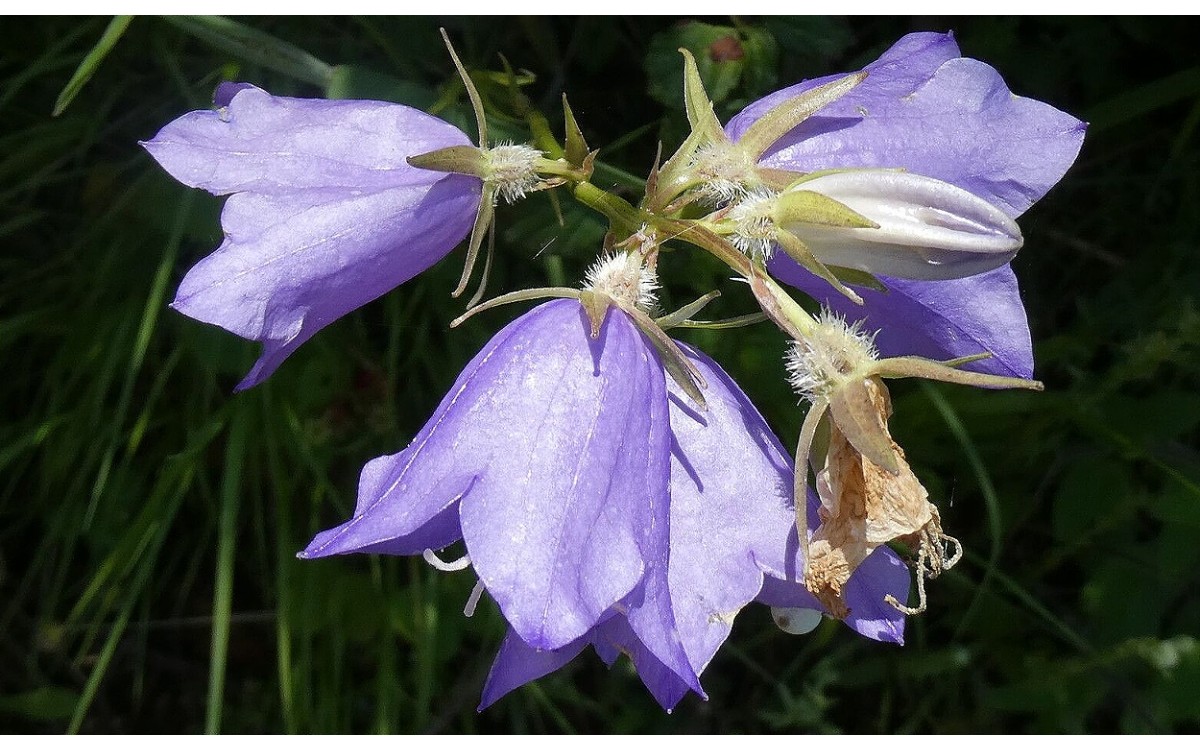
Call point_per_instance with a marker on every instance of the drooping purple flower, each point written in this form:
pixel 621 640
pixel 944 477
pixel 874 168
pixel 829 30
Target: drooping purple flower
pixel 926 109
pixel 324 215
pixel 598 506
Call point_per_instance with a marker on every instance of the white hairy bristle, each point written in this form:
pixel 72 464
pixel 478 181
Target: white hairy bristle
pixel 724 171
pixel 755 231
pixel 833 351
pixel 624 278
pixel 513 169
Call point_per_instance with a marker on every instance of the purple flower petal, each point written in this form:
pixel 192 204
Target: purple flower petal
pixel 326 214
pixel 925 109
pixel 730 506
pixel 936 319
pixel 260 143
pixel 617 635
pixel 553 447
pixel 518 663
pixel 651 610
pixel 732 519
pixel 568 445
pixel 882 573
pixel 384 524
pixel 399 495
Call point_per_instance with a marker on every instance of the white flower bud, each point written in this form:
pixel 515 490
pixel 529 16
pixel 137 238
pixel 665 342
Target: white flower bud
pixel 928 229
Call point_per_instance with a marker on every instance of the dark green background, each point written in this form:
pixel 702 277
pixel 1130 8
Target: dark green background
pixel 149 517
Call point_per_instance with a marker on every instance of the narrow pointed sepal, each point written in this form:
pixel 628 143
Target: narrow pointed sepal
pixel 810 207
pixel 917 367
pixel 596 305
pixel 456 159
pixel 787 115
pixel 779 306
pixel 699 107
pixel 800 252
pixel 576 147
pixel 677 365
pixel 523 295
pixel 483 221
pixel 685 313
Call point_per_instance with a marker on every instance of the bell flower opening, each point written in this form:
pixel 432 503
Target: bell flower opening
pixel 597 504
pixel 925 109
pixel 324 213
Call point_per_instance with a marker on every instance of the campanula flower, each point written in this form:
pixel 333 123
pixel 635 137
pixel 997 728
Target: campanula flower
pixel 597 502
pixel 924 109
pixel 324 212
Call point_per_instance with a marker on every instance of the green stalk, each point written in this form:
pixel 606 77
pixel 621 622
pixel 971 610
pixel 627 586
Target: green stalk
pixel 223 588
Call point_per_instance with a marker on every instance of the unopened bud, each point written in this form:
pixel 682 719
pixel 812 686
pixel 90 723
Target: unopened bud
pixel 927 229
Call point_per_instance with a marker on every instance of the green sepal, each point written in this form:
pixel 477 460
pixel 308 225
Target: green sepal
pixel 799 252
pixel 483 221
pixel 680 316
pixel 804 446
pixel 595 304
pixel 676 363
pixel 699 107
pixel 854 413
pixel 810 207
pixel 725 324
pixel 668 182
pixel 472 92
pixel 457 159
pixel 966 360
pixel 858 278
pixel 577 148
pixel 785 116
pixel 523 295
pixel 487 269
pixel 946 372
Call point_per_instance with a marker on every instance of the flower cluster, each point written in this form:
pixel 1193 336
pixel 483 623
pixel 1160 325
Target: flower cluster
pixel 608 485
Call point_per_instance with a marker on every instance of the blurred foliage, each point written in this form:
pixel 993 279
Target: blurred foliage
pixel 149 518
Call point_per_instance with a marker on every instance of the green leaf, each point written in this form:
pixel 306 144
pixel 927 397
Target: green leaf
pixel 357 82
pixel 726 57
pixel 91 61
pixel 1135 103
pixel 255 46
pixel 1092 493
pixel 696 103
pixel 46 703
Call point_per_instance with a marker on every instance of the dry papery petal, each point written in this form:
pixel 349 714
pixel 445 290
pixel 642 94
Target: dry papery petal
pixel 864 506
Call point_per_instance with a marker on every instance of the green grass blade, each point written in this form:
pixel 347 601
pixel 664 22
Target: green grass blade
pixel 255 46
pixel 986 488
pixel 91 61
pixel 223 589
